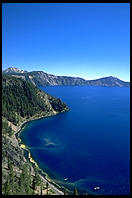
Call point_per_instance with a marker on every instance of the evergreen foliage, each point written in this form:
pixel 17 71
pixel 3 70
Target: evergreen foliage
pixel 47 187
pixel 15 185
pixel 37 179
pixel 25 180
pixel 20 97
pixel 41 190
pixel 6 129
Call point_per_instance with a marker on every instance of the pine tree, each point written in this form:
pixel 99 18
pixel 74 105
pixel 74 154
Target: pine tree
pixel 6 188
pixel 36 180
pixel 75 191
pixel 65 192
pixel 12 180
pixel 25 180
pixel 10 165
pixel 47 187
pixel 27 176
pixel 41 190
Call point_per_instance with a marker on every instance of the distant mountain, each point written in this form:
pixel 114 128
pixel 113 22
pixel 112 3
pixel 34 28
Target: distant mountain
pixel 40 78
pixel 13 70
pixel 109 81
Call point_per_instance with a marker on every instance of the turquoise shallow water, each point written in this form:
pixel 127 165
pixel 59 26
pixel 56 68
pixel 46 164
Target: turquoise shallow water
pixel 89 146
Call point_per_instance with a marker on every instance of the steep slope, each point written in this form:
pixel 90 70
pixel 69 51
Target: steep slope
pixel 40 78
pixel 21 102
pixel 21 99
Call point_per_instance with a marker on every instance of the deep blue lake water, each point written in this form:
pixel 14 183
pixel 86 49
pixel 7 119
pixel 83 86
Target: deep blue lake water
pixel 89 146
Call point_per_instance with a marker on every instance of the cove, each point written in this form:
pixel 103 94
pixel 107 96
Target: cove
pixel 89 146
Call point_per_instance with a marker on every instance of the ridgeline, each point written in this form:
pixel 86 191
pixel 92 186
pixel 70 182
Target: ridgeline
pixel 40 78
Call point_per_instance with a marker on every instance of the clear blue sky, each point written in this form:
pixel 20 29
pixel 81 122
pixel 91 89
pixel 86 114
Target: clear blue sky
pixel 89 40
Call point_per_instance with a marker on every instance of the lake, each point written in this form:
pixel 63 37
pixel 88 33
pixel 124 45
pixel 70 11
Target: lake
pixel 87 147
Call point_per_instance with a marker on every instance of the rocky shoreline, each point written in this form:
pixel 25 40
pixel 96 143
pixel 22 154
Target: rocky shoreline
pixel 58 190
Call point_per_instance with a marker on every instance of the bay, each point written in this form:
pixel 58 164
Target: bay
pixel 89 146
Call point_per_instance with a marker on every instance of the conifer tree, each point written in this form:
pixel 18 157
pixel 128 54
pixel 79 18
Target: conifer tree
pixel 25 180
pixel 10 165
pixel 65 192
pixel 41 190
pixel 6 188
pixel 75 191
pixel 36 179
pixel 47 187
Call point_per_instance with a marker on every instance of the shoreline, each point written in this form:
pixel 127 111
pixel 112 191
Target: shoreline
pixel 45 177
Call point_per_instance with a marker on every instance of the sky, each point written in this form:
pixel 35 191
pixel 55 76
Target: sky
pixel 88 40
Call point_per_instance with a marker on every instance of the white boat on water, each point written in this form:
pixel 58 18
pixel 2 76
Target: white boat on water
pixel 97 188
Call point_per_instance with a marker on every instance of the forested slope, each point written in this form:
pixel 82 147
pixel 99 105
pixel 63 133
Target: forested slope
pixel 22 101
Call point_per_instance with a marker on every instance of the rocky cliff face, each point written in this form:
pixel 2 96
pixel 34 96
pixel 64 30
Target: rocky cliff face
pixel 40 78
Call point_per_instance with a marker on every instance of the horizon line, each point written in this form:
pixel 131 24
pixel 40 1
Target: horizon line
pixel 67 75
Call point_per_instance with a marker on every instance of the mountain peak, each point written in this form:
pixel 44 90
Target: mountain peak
pixel 11 70
pixel 113 77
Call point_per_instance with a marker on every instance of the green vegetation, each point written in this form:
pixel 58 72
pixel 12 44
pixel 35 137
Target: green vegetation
pixel 25 180
pixel 21 100
pixel 47 187
pixel 36 180
pixel 6 129
pixel 22 184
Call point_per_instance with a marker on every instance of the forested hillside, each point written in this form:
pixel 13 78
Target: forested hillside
pixel 22 101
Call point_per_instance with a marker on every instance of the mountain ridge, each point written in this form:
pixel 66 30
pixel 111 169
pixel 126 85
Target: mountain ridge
pixel 40 78
pixel 11 70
